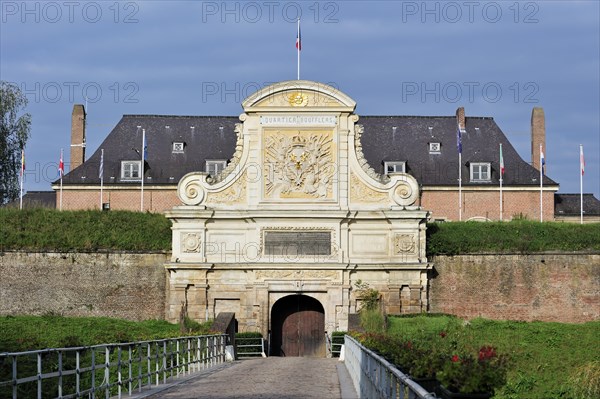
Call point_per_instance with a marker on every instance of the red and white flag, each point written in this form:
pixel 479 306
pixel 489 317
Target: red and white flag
pixel 299 38
pixel 581 160
pixel 61 165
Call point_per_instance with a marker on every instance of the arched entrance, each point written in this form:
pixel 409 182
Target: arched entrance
pixel 298 327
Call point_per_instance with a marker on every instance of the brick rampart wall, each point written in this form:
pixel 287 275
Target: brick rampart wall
pixel 122 285
pixel 548 287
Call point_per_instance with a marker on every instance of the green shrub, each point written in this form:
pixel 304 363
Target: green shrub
pixel 517 236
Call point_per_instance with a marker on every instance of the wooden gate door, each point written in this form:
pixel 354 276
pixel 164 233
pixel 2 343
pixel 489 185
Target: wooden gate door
pixel 302 327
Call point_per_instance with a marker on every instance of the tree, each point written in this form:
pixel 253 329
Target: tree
pixel 14 132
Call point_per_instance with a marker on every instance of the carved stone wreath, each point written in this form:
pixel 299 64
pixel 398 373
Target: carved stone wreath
pixel 190 242
pixel 404 243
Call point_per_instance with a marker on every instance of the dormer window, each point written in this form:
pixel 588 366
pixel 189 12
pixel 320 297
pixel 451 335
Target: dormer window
pixel 214 166
pixel 480 172
pixel 394 167
pixel 435 148
pixel 178 147
pixel 130 170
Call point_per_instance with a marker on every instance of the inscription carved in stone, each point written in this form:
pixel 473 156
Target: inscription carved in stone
pixel 296 274
pixel 298 164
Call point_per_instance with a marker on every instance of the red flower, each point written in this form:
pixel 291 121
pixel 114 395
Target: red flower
pixel 443 334
pixel 455 358
pixel 486 352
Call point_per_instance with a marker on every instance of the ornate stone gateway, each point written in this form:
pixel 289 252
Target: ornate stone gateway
pixel 297 211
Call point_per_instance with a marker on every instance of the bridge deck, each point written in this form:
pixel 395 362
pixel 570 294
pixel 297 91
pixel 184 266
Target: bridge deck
pixel 270 378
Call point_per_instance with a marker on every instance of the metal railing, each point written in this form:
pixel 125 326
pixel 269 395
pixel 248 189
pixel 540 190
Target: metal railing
pixel 106 370
pixel 251 347
pixel 374 377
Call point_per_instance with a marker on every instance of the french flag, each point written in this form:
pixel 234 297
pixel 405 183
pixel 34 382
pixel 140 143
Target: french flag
pixel 299 38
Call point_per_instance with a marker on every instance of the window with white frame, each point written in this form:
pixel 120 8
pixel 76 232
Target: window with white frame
pixel 130 170
pixel 214 166
pixel 480 172
pixel 435 148
pixel 394 167
pixel 178 147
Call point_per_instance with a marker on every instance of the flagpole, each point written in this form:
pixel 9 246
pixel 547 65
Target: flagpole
pixel 460 186
pixel 541 185
pixel 22 177
pixel 142 169
pixel 298 46
pixel 501 175
pixel 101 176
pixel 61 171
pixel 581 171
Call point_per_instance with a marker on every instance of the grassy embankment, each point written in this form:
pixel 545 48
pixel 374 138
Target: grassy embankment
pixel 51 230
pixel 547 360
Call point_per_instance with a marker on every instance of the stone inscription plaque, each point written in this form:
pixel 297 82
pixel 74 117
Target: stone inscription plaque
pixel 295 243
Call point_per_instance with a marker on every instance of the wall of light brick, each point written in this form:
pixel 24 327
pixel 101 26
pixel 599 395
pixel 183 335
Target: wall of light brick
pixel 486 204
pixel 154 200
pixel 548 287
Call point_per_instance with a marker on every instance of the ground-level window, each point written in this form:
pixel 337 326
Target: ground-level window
pixel 480 172
pixel 130 170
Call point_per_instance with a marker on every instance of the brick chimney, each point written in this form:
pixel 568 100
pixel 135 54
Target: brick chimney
pixel 460 118
pixel 77 136
pixel 538 136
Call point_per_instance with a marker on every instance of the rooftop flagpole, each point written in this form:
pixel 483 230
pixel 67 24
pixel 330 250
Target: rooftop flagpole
pixel 581 172
pixel 101 175
pixel 501 179
pixel 61 172
pixel 22 177
pixel 459 148
pixel 142 169
pixel 542 163
pixel 298 46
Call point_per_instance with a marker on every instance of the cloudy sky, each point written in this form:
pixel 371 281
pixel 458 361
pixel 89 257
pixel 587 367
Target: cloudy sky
pixel 497 59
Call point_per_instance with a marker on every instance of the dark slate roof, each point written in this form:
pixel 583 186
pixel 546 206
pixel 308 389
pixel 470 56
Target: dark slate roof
pixel 409 142
pixel 205 141
pixel 569 205
pixel 36 199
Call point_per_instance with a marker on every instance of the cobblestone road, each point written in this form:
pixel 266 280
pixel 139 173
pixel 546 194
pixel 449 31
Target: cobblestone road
pixel 270 378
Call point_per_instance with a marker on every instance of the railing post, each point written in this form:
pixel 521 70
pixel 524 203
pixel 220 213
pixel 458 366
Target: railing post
pixel 164 362
pixel 14 377
pixel 107 371
pixel 119 371
pixel 77 373
pixel 39 375
pixel 60 393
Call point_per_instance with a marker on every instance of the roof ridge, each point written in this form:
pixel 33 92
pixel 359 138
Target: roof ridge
pixel 176 116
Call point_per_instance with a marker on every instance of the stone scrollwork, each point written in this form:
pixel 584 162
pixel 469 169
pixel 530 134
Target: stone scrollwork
pixel 190 242
pixel 190 190
pixel 360 192
pixel 235 160
pixel 406 191
pixel 234 194
pixel 358 131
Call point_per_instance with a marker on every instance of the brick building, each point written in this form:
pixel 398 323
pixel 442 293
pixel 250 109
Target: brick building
pixel 424 147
